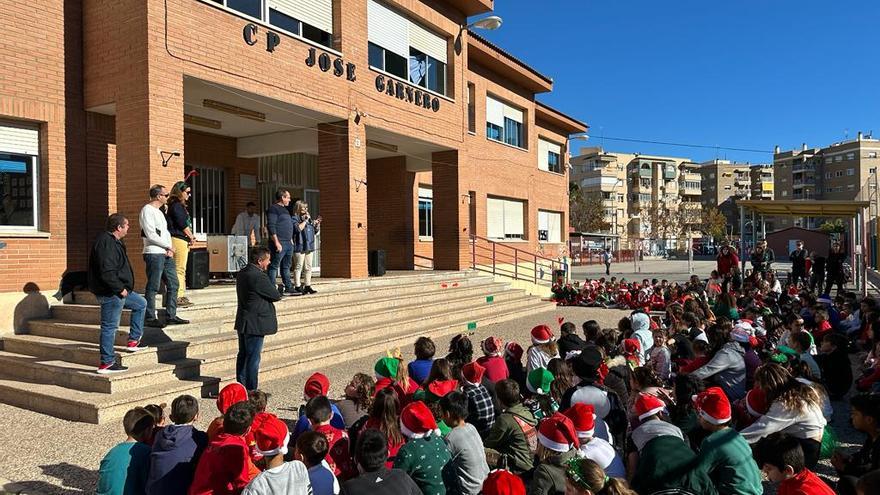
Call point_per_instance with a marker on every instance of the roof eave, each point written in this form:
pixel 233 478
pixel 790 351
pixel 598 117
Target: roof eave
pixel 558 119
pixel 494 58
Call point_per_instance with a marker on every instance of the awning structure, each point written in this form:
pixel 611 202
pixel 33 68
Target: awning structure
pixel 852 210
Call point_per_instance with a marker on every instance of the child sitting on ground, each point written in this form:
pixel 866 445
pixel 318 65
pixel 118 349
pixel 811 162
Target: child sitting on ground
pixel 480 409
pixel 801 343
pixel 158 412
pixel 513 354
pixel 512 440
pixel 279 477
pixel 557 445
pixel 833 360
pixel 229 395
pixel 492 359
pixel 312 448
pixel 465 446
pixel 424 350
pixel 583 418
pixel 358 398
pixel 570 340
pixel 319 413
pixel 865 417
pixel 392 372
pixel 543 348
pixel 584 476
pixel 541 403
pixel 660 358
pixel 701 357
pixel 823 325
pixel 782 460
pixel 259 400
pixel 317 385
pixel 225 466
pixel 375 477
pixel 176 450
pixel 126 466
pixel 424 456
pixel 725 457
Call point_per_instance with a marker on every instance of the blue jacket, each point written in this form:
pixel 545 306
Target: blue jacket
pixel 303 240
pixel 176 452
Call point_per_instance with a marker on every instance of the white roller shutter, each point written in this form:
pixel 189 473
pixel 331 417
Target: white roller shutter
pixel 19 139
pixel 494 112
pixel 388 29
pixel 513 218
pixel 427 42
pixel 317 13
pixel 426 192
pixel 543 163
pixel 495 218
pixel 554 148
pixel 513 113
pixel 552 223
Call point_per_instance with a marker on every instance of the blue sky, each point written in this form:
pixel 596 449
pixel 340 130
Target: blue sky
pixel 743 74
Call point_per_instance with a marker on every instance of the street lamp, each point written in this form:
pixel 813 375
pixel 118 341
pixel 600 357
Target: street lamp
pixel 490 23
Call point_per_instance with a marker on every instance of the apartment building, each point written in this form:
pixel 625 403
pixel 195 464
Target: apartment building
pixel 841 171
pixel 725 182
pixel 404 131
pixel 652 198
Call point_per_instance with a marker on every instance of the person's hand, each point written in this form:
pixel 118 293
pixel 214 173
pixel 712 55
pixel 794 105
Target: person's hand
pixel 838 460
pixel 169 253
pixel 192 240
pixel 124 293
pixel 277 246
pixel 318 220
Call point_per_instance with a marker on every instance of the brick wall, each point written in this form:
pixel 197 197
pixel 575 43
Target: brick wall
pixel 390 211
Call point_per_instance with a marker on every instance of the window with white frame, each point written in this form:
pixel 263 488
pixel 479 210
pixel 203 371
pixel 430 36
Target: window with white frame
pixel 850 171
pixel 309 19
pixel 426 211
pixel 838 158
pixel 405 49
pixel 505 218
pixel 549 156
pixel 851 156
pixel 850 187
pixel 504 123
pixel 19 177
pixel 550 225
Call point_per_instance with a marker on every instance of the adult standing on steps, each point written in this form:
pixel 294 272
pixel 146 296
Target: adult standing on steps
pixel 180 226
pixel 255 316
pixel 280 226
pixel 112 281
pixel 159 259
pixel 304 232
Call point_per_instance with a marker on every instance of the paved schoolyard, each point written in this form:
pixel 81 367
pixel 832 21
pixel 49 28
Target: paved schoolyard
pixel 52 456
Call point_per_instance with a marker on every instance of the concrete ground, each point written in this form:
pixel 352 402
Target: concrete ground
pixel 40 454
pixel 672 270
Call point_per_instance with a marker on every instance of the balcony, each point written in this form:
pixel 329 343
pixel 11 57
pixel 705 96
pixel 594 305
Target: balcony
pixel 801 182
pixel 802 167
pixel 690 191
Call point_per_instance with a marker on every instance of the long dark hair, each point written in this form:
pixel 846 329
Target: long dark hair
pixel 386 412
pixel 563 378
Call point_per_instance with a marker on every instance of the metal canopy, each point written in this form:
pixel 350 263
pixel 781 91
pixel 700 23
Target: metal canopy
pixel 800 208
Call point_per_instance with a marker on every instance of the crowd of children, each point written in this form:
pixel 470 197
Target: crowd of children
pixel 697 391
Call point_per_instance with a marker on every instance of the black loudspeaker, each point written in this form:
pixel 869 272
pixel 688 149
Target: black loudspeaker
pixel 197 274
pixel 376 263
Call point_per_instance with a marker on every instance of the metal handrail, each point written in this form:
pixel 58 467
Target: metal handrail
pixel 494 252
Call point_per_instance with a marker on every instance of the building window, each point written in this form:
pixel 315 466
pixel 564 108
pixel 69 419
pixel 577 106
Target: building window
pixel 252 8
pixel 426 212
pixel 872 154
pixel 311 19
pixel 727 188
pixel 620 197
pixel 405 49
pixel 838 173
pixel 207 203
pixel 851 156
pixel 550 225
pixel 850 187
pixel 549 156
pixel 19 178
pixel 472 107
pixel 827 175
pixel 838 158
pixel 784 193
pixel 850 171
pixel 504 219
pixel 504 123
pixel 829 159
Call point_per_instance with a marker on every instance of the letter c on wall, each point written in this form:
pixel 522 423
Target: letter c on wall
pixel 250 34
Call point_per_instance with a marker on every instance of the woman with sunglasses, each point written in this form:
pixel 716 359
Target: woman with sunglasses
pixel 180 227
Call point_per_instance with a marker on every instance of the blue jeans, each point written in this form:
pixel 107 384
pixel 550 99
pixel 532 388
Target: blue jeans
pixel 160 266
pixel 111 312
pixel 247 362
pixel 283 259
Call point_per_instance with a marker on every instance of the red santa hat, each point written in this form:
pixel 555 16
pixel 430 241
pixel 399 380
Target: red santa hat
pixel 631 346
pixel 416 421
pixel 491 346
pixel 473 372
pixel 441 388
pixel 756 402
pixel 502 482
pixel 272 437
pixel 713 406
pixel 583 417
pixel 541 334
pixel 513 350
pixel 648 405
pixel 557 433
pixel 316 385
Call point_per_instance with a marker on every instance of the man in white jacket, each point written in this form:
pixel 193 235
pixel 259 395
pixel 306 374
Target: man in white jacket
pixel 159 259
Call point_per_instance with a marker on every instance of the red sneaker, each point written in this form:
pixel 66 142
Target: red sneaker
pixel 134 346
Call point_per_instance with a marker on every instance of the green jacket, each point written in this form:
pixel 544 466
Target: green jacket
pixel 726 458
pixel 666 462
pixel 507 438
pixel 549 476
pixel 425 461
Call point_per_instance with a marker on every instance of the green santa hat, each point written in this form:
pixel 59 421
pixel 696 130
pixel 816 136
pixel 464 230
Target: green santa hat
pixel 386 367
pixel 539 380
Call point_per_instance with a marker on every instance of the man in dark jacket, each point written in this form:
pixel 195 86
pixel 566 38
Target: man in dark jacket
pixel 834 268
pixel 176 450
pixel 798 259
pixel 255 316
pixel 112 282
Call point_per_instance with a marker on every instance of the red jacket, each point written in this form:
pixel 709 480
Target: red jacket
pixel 224 468
pixel 726 264
pixel 804 483
pixel 496 368
pixel 339 455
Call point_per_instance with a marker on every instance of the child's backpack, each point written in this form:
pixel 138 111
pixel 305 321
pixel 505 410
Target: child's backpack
pixel 530 432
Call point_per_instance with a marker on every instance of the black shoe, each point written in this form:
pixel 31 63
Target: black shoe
pixel 309 290
pixel 294 291
pixel 153 322
pixel 106 369
pixel 176 321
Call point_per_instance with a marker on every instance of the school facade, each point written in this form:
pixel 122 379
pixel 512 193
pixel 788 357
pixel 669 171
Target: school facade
pixel 402 128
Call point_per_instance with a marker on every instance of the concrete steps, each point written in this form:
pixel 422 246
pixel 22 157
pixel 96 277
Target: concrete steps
pixel 52 368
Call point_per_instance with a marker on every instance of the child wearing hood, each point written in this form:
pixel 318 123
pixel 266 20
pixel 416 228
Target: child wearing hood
pixel 641 330
pixel 317 385
pixel 229 395
pixel 176 450
pixel 492 360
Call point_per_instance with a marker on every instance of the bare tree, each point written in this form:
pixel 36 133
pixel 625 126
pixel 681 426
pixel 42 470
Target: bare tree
pixel 586 211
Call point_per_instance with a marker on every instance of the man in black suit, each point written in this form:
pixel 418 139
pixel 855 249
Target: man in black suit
pixel 255 316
